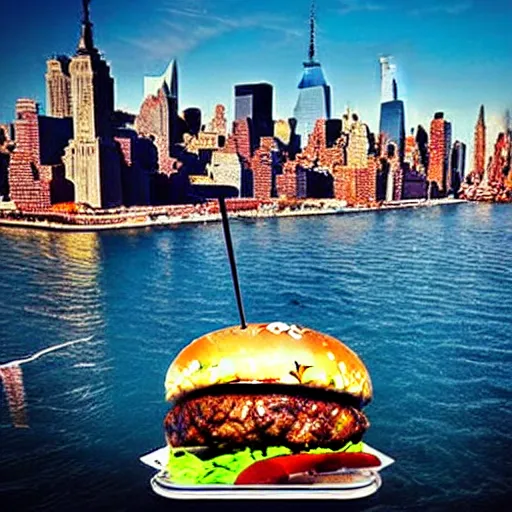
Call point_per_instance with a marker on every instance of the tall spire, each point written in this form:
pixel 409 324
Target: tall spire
pixel 480 144
pixel 86 45
pixel 86 16
pixel 481 116
pixel 312 33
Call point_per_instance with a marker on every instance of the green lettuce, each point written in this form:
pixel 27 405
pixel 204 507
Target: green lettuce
pixel 185 468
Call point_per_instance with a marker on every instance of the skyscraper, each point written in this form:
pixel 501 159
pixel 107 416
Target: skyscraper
pixel 392 124
pixel 192 117
pixel 458 165
pixel 388 79
pixel 166 88
pixel 422 142
pixel 91 160
pixel 169 78
pixel 158 114
pixel 392 111
pixel 314 100
pixel 254 102
pixel 439 172
pixel 58 87
pixel 218 124
pixel 40 141
pixel 357 147
pixel 480 141
pixel 29 183
pixel 411 152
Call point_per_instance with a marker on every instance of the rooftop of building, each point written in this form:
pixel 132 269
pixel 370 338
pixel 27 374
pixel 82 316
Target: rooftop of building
pixel 313 76
pixel 152 84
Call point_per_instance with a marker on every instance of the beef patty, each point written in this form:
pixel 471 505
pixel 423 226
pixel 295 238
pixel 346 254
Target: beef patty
pixel 263 420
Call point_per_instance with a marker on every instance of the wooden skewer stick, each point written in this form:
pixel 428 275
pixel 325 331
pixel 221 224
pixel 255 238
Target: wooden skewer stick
pixel 231 255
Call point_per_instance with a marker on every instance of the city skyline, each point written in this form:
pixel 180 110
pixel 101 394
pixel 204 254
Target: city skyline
pixel 353 75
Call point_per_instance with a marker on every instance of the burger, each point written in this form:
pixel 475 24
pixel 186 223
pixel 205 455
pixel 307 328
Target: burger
pixel 243 395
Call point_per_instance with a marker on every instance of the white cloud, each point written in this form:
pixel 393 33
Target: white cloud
pixel 349 6
pixel 264 21
pixel 186 28
pixel 443 7
pixel 452 8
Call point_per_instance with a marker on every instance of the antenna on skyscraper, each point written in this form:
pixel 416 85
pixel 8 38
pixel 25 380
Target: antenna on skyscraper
pixel 85 11
pixel 86 41
pixel 312 32
pixel 481 115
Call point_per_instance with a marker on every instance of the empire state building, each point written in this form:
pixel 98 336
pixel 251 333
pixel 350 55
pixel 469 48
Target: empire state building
pixel 92 160
pixel 314 100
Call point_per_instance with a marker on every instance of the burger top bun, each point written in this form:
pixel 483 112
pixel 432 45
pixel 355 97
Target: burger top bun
pixel 268 353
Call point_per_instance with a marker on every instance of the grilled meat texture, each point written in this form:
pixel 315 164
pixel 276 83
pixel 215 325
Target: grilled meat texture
pixel 236 420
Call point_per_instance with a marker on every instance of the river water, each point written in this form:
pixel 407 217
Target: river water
pixel 423 296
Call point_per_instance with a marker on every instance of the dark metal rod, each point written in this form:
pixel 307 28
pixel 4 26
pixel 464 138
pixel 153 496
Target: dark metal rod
pixel 231 255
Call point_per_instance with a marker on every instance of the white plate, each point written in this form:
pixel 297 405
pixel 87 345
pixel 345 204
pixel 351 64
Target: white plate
pixel 368 483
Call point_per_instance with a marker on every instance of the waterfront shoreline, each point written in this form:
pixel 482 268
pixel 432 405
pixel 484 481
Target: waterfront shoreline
pixel 201 218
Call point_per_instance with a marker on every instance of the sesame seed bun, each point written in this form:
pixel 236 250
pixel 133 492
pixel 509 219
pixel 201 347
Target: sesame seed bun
pixel 268 353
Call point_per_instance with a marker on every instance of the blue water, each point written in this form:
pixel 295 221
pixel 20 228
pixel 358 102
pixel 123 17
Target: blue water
pixel 424 296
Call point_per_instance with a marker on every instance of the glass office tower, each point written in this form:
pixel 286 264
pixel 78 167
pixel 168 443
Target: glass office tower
pixel 392 123
pixel 392 110
pixel 314 100
pixel 387 79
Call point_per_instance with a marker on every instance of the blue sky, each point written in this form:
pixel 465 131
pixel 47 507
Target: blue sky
pixel 451 55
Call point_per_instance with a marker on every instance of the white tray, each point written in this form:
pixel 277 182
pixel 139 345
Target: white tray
pixel 162 485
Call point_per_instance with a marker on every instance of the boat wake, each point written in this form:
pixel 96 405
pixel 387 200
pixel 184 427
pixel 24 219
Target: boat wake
pixel 11 376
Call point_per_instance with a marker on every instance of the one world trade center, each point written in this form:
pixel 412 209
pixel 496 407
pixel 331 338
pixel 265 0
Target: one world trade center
pixel 314 100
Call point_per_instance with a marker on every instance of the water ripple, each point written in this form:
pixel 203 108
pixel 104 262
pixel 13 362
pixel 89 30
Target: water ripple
pixel 423 296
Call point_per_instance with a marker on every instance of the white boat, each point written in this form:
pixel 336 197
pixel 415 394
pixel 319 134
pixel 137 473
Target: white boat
pixel 344 485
